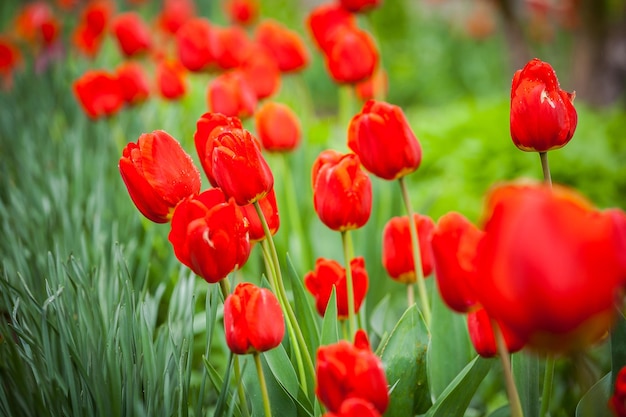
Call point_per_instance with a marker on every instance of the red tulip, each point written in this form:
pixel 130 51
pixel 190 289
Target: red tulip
pixel 355 407
pixel 132 34
pixel 373 87
pixel 454 244
pixel 329 274
pixel 239 168
pixel 551 266
pixel 133 82
pixel 342 192
pixel 261 72
pixel 397 251
pixel 617 402
pixel 208 128
pixel 231 95
pixel 174 14
pixel 356 6
pixel 196 45
pixel 99 93
pixel 92 25
pixel 285 45
pixel 384 141
pixel 170 78
pixel 253 320
pixel 479 325
pixel 350 371
pixel 158 174
pixel 231 46
pixel 243 12
pixel 351 55
pixel 277 127
pixel 325 19
pixel 270 211
pixel 543 116
pixel 210 235
pixel 10 59
pixel 37 24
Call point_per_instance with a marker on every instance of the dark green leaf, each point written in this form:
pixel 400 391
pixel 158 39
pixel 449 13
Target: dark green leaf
pixel 595 401
pixel 527 373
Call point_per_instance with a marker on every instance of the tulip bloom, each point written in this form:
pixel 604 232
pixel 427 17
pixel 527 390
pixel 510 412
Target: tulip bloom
pixel 253 320
pixel 454 244
pixel 208 128
pixel 351 55
pixel 384 141
pixel 195 44
pixel 277 127
pixel 158 174
pixel 261 72
pixel 550 265
pixel 325 19
pixel 617 402
pixel 92 25
pixel 357 6
pixel 133 81
pixel 231 46
pixel 242 12
pixel 270 212
pixel 37 24
pixel 285 45
pixel 355 407
pixel 210 235
pixel 342 192
pixel 479 325
pixel 543 116
pixel 239 168
pixel 397 251
pixel 373 87
pixel 231 95
pixel 10 59
pixel 132 33
pixel 174 14
pixel 329 274
pixel 170 79
pixel 350 371
pixel 99 93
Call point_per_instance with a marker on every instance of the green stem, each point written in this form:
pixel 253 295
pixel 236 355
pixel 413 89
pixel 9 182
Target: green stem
pixel 515 404
pixel 347 104
pixel 547 386
pixel 352 327
pixel 263 385
pixel 283 295
pixel 547 178
pixel 225 287
pixel 417 256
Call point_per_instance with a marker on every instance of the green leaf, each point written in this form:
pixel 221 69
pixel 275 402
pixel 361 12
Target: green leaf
pixel 285 375
pixel 307 318
pixel 330 328
pixel 595 401
pixel 403 355
pixel 527 373
pixel 456 397
pixel 618 346
pixel 450 348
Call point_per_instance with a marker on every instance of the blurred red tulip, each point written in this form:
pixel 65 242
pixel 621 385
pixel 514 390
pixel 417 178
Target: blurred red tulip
pixel 174 14
pixel 285 45
pixel 132 34
pixel 10 60
pixel 208 128
pixel 37 24
pixel 239 168
pixel 374 87
pixel 243 12
pixel 92 25
pixel 479 325
pixel 270 212
pixel 325 19
pixel 454 244
pixel 351 55
pixel 350 371
pixel 278 127
pixel 253 320
pixel 384 141
pixel 355 407
pixel 231 46
pixel 170 78
pixel 357 6
pixel 133 81
pixel 210 235
pixel 543 116
pixel 617 402
pixel 550 266
pixel 196 45
pixel 231 95
pixel 397 250
pixel 342 192
pixel 329 274
pixel 261 72
pixel 158 174
pixel 99 93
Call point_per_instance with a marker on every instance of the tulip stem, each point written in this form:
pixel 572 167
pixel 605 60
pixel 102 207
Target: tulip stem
pixel 417 256
pixel 352 326
pixel 515 404
pixel 547 178
pixel 282 297
pixel 263 385
pixel 410 294
pixel 547 386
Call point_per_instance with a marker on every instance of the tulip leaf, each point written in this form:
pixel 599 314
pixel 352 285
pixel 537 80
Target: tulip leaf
pixel 527 372
pixel 455 399
pixel 285 376
pixel 330 328
pixel 403 355
pixel 618 346
pixel 595 401
pixel 450 348
pixel 280 400
pixel 307 318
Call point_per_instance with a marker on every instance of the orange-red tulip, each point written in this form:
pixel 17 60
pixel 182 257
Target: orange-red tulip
pixel 278 127
pixel 253 320
pixel 231 95
pixel 99 93
pixel 10 59
pixel 261 72
pixel 351 55
pixel 37 24
pixel 355 407
pixel 285 45
pixel 174 14
pixel 243 12
pixel 373 87
pixel 132 34
pixel 231 46
pixel 170 79
pixel 325 19
pixel 92 25
pixel 195 44
pixel 617 402
pixel 479 325
pixel 357 6
pixel 133 81
pixel 158 174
